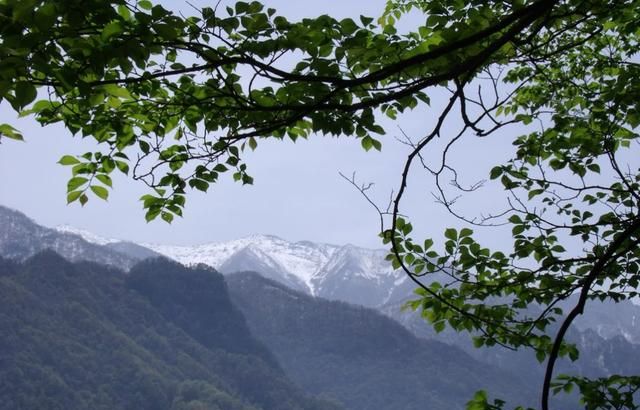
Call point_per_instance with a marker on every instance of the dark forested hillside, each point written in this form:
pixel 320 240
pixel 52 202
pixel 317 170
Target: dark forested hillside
pixel 82 336
pixel 361 357
pixel 197 301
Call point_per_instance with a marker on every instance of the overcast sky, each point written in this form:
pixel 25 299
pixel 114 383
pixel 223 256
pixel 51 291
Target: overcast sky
pixel 298 194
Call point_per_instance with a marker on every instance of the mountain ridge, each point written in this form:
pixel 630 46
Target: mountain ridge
pixel 383 364
pixel 384 291
pixel 320 269
pixel 21 238
pixel 344 277
pixel 87 336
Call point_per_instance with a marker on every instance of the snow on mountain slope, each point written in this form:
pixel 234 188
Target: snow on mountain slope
pixel 21 238
pixel 317 268
pixel 347 273
pixel 86 235
pixel 310 262
pixel 368 263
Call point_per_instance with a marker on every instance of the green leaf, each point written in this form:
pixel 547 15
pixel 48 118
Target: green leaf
pixel 105 179
pixel 124 12
pixel 117 91
pixel 451 233
pixel 68 160
pixel 112 29
pixel 478 342
pixel 594 168
pixel 42 105
pixel 495 172
pixel 25 93
pixel 199 184
pixel 73 196
pixel 367 143
pixel 145 4
pixel 241 7
pixel 123 167
pixel 8 131
pixel 167 217
pixel 75 183
pixel 465 232
pixel 247 179
pixel 348 26
pixel 479 401
pixel 166 31
pixel 366 20
pixel 152 214
pixel 101 192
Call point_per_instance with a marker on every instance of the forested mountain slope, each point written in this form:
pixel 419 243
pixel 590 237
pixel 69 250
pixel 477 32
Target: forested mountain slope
pixel 82 336
pixel 361 357
pixel 606 336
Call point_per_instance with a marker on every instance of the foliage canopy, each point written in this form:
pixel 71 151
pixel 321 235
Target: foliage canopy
pixel 176 101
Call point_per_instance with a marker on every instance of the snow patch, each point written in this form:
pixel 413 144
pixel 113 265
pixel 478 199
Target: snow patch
pixel 86 235
pixel 310 262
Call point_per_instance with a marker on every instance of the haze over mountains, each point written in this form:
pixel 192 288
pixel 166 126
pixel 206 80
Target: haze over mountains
pixel 20 238
pixel 161 336
pixel 348 273
pixel 353 357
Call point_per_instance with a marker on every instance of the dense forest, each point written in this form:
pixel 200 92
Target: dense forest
pixel 361 357
pixel 83 336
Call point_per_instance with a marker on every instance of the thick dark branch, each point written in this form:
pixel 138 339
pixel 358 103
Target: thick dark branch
pixel 463 69
pixel 595 272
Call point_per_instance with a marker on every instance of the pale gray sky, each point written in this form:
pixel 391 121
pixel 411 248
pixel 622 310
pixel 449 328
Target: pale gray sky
pixel 297 195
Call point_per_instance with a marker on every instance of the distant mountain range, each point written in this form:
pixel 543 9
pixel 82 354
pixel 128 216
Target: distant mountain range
pixel 348 273
pixel 281 309
pixel 162 336
pixel 21 238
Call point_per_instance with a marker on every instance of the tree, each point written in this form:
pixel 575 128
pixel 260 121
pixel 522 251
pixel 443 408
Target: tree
pixel 175 101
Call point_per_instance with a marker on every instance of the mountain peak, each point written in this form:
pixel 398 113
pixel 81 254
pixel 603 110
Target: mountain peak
pixel 320 269
pixel 303 263
pixel 86 235
pixel 262 237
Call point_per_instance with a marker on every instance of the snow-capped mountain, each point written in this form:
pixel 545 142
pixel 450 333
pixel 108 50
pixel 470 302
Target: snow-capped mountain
pixel 21 238
pixel 86 235
pixel 348 273
pixel 301 260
